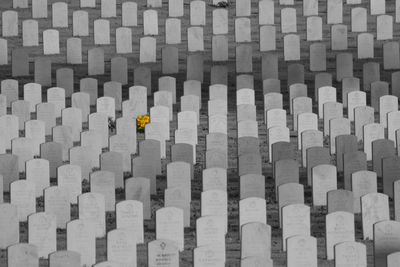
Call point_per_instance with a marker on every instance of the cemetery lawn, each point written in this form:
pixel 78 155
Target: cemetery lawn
pixel 157 201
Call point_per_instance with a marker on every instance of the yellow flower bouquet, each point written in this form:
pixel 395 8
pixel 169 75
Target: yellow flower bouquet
pixel 141 122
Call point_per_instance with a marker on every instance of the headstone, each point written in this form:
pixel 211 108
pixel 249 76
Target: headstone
pixel 277 134
pixel 391 56
pixel 147 49
pixel 10 23
pixel 197 13
pixel 210 230
pixel 219 48
pixel 30 32
pixel 99 122
pixel 142 76
pixel 65 80
pixel 252 185
pixel 365 45
pixel 384 27
pixel 81 238
pixel 60 15
pixel 95 67
pixel 362 116
pixel 9 230
pixel 42 233
pixel 70 180
pixel 22 195
pixel 72 117
pixel 314 28
pixel 344 143
pixel 372 132
pixel 51 42
pixel 275 118
pixel 35 130
pixel 170 59
pixel 165 251
pixel 9 88
pixel 334 11
pixel 121 247
pixel 138 188
pixel 295 221
pixel 101 32
pixel 390 173
pixel 22 147
pixel 291 47
pixel 20 62
pixel 173 31
pixel 382 149
pixel 22 254
pixel 362 183
pixel 349 84
pixel 129 215
pixel 37 171
pixel 272 100
pixel 269 66
pixel 21 109
pixel 215 203
pixel 56 95
pixel 103 182
pixel 344 66
pixel 119 70
pixel 108 8
pixel 386 240
pixel 251 210
pixel 114 89
pixel 9 124
pixel 285 171
pixel 310 7
pixel 80 23
pixel 323 180
pixel 317 57
pixel 337 126
pixel 92 209
pixel 374 208
pixel 288 20
pixel 393 123
pixel 74 50
pixel 266 12
pixel 65 258
pixel 358 19
pixel 353 161
pixel 339 228
pixel 90 87
pixel 289 193
pixel 267 38
pixel 214 179
pixel 56 202
pixel 85 157
pixel 129 14
pixel 63 135
pixel 340 200
pixel 315 156
pixel 244 56
pixel 355 99
pixel 393 259
pixel 195 67
pixel 371 73
pixel 169 225
pixel 350 254
pixel 220 21
pixel 387 104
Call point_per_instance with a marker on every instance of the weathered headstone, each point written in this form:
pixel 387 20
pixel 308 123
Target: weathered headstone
pixel 374 208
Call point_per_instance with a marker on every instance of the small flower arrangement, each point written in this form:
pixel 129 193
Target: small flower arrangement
pixel 141 122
